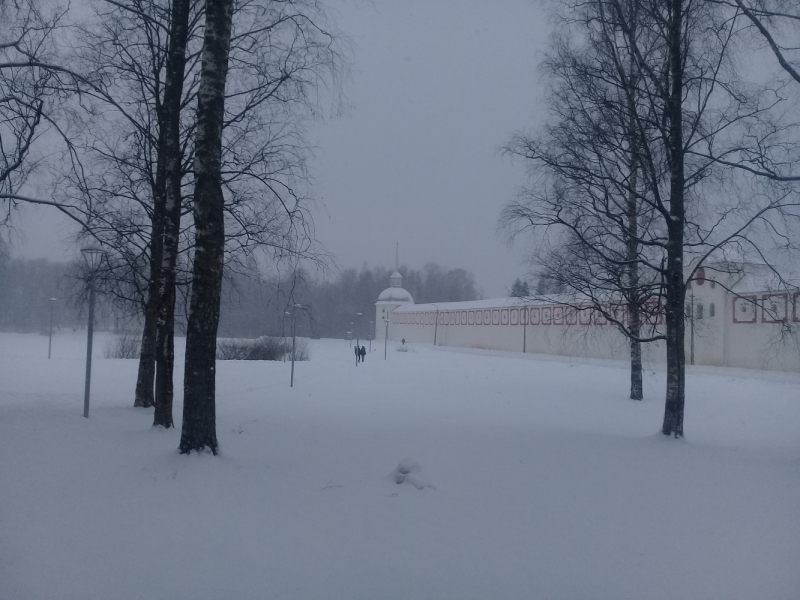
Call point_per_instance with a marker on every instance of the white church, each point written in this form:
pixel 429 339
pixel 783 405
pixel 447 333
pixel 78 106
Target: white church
pixel 737 319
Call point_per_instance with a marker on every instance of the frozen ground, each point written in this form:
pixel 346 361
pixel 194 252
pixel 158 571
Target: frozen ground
pixel 539 479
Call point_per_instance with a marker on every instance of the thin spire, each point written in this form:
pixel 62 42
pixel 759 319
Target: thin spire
pixel 397 256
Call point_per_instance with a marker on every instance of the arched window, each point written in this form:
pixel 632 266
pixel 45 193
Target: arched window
pixel 699 311
pixel 711 310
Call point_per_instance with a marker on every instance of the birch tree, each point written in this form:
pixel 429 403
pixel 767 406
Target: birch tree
pixel 684 108
pixel 199 403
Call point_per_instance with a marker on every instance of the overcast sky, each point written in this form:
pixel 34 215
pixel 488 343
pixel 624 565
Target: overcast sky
pixel 437 87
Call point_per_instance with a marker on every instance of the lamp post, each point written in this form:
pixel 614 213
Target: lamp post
pixel 93 257
pixel 386 335
pixel 283 332
pixel 50 338
pixel 356 330
pixel 371 333
pixel 351 333
pixel 436 325
pixel 294 318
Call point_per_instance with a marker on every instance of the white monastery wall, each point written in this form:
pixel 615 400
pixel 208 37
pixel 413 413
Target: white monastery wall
pixel 756 331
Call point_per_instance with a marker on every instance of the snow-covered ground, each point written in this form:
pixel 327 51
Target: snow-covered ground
pixel 538 479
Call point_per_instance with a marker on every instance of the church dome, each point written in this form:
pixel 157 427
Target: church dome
pixel 395 291
pixel 395 294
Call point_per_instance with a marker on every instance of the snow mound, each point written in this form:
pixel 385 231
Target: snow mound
pixel 409 471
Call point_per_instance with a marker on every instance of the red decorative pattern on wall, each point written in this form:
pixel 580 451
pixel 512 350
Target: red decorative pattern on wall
pixel 585 315
pixel 514 316
pixel 744 309
pixel 463 317
pixel 536 316
pixel 452 318
pixel 471 318
pixel 487 317
pixel 496 317
pixel 796 307
pixel 558 315
pixel 620 313
pixel 599 317
pixel 774 308
pixel 570 316
pixel 547 315
pixel 478 317
pixel 504 316
pixel 523 316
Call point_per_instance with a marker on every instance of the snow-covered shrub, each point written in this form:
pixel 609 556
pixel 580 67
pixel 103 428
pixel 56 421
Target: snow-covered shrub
pixel 263 348
pixel 124 345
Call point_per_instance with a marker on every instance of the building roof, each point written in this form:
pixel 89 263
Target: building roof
pixel 396 294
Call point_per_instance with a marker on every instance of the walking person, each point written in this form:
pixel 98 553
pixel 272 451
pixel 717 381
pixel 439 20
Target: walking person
pixel 358 355
pixel 363 353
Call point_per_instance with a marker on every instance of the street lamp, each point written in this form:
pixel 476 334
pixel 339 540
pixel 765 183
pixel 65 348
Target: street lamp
pixel 50 340
pixel 294 318
pixel 436 325
pixel 357 342
pixel 351 333
pixel 283 332
pixel 385 335
pixel 93 257
pixel 371 333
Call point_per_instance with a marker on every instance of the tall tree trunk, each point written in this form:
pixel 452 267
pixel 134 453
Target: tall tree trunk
pixel 634 296
pixel 147 355
pixel 675 287
pixel 171 150
pixel 199 380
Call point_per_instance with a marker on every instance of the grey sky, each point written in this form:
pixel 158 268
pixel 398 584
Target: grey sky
pixel 437 87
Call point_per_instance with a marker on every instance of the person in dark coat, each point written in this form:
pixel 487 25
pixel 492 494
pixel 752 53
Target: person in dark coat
pixel 363 353
pixel 358 355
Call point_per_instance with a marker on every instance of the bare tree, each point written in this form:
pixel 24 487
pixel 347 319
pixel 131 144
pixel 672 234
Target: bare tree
pixel 651 101
pixel 31 93
pixel 587 169
pixel 199 405
pixel 280 53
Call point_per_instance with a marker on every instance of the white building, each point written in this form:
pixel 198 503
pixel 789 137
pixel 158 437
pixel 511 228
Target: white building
pixel 390 299
pixel 736 319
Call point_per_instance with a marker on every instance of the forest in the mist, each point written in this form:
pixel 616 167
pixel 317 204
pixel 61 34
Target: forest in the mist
pixel 251 307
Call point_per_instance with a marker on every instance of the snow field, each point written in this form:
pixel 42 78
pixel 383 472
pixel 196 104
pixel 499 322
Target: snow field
pixel 547 481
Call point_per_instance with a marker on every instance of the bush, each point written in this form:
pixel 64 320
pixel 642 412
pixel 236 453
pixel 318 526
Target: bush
pixel 300 350
pixel 124 345
pixel 263 348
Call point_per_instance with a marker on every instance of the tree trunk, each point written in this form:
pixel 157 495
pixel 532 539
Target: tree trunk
pixel 199 380
pixel 675 287
pixel 171 150
pixel 632 232
pixel 147 356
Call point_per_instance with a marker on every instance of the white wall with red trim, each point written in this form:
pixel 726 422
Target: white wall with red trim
pixel 757 330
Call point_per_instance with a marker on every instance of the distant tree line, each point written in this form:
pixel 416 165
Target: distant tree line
pixel 252 308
